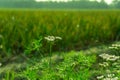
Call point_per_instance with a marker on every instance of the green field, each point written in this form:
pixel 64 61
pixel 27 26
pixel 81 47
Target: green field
pixel 23 32
pixel 77 28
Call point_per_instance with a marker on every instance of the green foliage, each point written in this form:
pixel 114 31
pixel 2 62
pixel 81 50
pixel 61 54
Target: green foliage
pixel 9 75
pixel 74 66
pixel 108 64
pixel 78 29
pixel 35 46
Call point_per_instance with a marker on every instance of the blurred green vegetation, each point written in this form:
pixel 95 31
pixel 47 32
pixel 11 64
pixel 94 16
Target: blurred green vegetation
pixel 49 4
pixel 78 29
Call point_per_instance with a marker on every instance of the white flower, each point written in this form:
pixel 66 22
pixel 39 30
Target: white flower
pixel 104 56
pixel 58 38
pixel 107 79
pixel 116 45
pixel 104 64
pixel 50 38
pixel 109 57
pixel 111 75
pixel 100 77
pixel 111 47
pixel 115 78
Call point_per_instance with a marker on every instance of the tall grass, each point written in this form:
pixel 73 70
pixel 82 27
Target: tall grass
pixel 77 28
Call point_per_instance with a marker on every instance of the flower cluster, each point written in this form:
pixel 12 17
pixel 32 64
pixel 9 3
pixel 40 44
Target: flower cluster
pixel 109 57
pixel 111 60
pixel 107 77
pixel 115 46
pixel 104 64
pixel 52 38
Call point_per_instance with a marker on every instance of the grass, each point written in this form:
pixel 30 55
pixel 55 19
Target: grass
pixel 65 66
pixel 73 65
pixel 77 28
pixel 26 55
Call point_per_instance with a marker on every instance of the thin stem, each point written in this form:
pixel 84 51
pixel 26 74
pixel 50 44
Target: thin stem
pixel 50 55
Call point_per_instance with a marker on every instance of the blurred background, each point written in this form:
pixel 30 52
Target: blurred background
pixel 61 4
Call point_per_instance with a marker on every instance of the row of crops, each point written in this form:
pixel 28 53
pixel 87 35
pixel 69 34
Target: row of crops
pixel 77 29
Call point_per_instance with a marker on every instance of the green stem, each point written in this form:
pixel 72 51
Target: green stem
pixel 7 76
pixel 50 54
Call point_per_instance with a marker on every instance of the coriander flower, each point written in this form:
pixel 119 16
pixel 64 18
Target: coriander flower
pixel 104 64
pixel 111 75
pixel 50 38
pixel 58 38
pixel 115 78
pixel 116 45
pixel 109 57
pixel 100 77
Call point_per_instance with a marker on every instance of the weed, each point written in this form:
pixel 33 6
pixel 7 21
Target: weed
pixel 51 40
pixel 35 46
